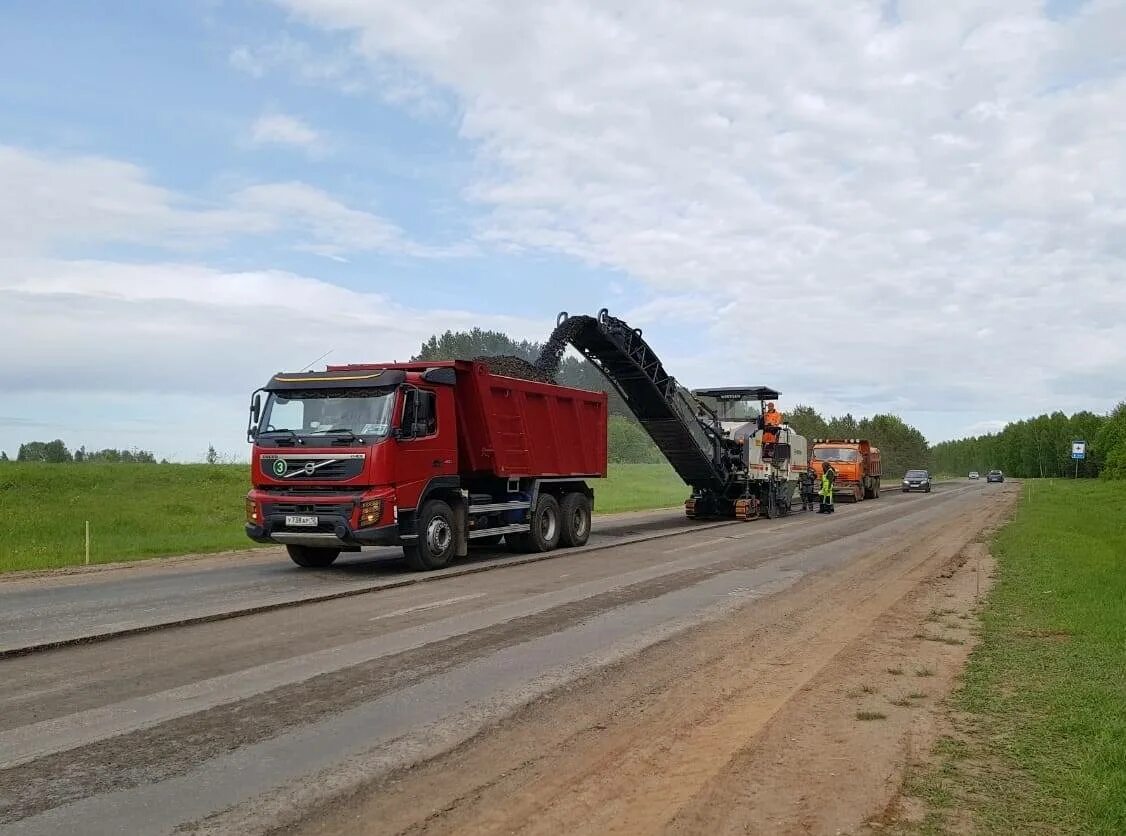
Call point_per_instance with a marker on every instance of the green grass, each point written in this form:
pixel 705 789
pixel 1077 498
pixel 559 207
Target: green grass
pixel 638 487
pixel 149 510
pixel 135 510
pixel 1040 743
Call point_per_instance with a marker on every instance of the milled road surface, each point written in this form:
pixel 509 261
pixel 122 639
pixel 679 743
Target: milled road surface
pixel 297 717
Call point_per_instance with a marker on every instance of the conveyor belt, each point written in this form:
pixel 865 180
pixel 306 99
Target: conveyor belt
pixel 666 410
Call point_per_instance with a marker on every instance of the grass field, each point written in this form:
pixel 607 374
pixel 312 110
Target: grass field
pixel 1041 717
pixel 147 510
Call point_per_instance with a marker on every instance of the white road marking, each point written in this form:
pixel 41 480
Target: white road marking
pixel 432 605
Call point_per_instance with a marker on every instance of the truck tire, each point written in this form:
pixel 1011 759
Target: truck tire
pixel 574 514
pixel 308 557
pixel 437 538
pixel 545 528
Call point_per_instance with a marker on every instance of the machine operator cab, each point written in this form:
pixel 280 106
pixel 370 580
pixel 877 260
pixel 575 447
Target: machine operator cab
pixel 769 446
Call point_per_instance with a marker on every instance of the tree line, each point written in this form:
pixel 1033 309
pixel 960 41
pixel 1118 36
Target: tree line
pixel 1041 447
pixel 56 452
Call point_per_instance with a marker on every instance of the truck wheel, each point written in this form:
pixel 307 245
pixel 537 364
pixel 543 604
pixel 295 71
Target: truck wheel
pixel 574 514
pixel 436 540
pixel 308 557
pixel 545 531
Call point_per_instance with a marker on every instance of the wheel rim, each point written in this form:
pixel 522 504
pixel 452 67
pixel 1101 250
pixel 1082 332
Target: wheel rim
pixel 438 535
pixel 548 524
pixel 579 526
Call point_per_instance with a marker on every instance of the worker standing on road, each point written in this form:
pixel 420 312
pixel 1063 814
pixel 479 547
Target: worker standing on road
pixel 805 485
pixel 826 490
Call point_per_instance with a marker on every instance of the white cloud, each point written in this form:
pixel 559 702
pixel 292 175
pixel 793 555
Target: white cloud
pixel 114 327
pixel 281 129
pixel 169 352
pixel 332 227
pixel 942 197
pixel 46 200
pixel 51 201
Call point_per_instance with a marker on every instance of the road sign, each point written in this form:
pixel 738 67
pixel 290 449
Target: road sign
pixel 1078 450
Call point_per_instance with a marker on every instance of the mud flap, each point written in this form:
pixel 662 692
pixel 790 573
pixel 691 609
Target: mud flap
pixel 461 518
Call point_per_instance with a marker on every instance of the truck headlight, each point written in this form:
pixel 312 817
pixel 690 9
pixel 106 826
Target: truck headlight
pixel 370 511
pixel 252 515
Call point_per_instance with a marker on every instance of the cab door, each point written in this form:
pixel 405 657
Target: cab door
pixel 427 444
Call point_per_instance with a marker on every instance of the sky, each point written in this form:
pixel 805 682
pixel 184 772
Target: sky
pixel 908 206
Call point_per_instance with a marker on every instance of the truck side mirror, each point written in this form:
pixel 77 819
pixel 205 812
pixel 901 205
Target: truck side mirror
pixel 255 417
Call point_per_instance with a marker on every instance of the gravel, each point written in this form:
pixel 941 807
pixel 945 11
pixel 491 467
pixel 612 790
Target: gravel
pixel 510 366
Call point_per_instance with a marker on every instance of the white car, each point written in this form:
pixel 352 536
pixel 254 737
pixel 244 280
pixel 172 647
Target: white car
pixel 974 474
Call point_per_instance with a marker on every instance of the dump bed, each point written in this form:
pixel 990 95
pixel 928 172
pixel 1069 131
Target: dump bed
pixel 512 427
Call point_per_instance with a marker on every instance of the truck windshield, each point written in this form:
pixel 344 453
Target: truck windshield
pixel 835 454
pixel 360 412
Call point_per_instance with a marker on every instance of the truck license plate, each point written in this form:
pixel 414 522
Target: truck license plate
pixel 300 520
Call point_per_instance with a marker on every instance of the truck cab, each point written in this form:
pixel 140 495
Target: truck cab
pixel 426 456
pixel 856 463
pixel 336 454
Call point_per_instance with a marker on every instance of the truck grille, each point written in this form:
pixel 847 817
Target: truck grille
pixel 284 468
pixel 317 508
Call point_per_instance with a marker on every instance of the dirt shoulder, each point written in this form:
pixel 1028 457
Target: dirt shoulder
pixel 799 714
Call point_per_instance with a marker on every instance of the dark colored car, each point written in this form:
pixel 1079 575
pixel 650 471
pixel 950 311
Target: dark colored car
pixel 917 480
pixel 995 476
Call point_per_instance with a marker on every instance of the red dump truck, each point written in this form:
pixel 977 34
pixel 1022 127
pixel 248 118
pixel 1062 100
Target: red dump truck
pixel 856 462
pixel 429 456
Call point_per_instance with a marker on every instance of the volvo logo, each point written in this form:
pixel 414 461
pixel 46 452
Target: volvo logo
pixel 309 468
pixel 280 467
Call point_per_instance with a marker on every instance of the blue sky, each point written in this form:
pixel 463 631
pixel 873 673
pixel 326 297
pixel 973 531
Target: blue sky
pixel 198 193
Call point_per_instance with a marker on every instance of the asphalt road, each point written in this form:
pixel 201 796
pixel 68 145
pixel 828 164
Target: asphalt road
pixel 233 725
pixel 61 608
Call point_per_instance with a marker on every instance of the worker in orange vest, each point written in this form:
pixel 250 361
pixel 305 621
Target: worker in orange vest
pixel 771 423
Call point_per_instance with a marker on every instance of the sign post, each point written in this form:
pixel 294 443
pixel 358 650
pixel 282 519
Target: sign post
pixel 1078 453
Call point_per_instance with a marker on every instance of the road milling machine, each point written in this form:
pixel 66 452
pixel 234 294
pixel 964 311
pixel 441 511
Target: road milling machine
pixel 710 437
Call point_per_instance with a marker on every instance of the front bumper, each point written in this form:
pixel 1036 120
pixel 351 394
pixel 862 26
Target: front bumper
pixel 330 533
pixel 923 487
pixel 336 521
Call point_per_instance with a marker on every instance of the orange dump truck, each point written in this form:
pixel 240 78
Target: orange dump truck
pixel 856 462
